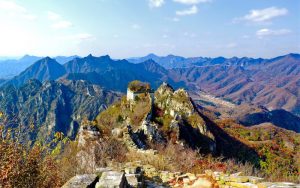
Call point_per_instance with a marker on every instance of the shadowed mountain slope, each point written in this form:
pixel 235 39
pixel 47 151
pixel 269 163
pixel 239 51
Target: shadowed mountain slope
pixel 40 110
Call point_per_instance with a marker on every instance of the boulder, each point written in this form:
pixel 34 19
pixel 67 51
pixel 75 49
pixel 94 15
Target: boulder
pixel 133 180
pixel 82 181
pixel 112 179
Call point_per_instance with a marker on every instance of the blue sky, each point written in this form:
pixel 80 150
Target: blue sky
pixel 129 28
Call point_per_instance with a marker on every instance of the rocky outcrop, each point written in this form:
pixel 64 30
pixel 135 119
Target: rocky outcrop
pixel 187 125
pixel 81 181
pixel 88 140
pixel 112 179
pixel 137 175
pixel 173 102
pixel 151 130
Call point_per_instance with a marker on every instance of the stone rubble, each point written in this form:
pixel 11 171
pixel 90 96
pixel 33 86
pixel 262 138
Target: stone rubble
pixel 238 181
pixel 137 175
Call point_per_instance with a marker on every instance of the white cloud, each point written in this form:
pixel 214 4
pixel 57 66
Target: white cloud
pixel 11 6
pixel 15 9
pixel 156 3
pixel 262 15
pixel 62 24
pixel 191 2
pixel 190 11
pixel 53 16
pixel 135 26
pixel 57 21
pixel 269 32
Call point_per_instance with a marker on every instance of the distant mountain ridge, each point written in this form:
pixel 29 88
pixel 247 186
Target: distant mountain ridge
pixel 12 67
pixel 104 71
pixel 42 70
pixel 172 61
pixel 280 118
pixel 273 83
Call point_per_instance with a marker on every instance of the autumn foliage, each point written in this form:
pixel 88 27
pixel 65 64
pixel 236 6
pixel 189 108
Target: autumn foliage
pixel 23 167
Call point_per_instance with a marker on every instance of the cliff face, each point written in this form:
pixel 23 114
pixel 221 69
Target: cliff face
pixel 173 102
pixel 38 111
pixel 171 117
pixel 186 122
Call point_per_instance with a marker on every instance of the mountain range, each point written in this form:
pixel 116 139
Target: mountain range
pixel 38 110
pixel 13 67
pixel 272 83
pixel 173 61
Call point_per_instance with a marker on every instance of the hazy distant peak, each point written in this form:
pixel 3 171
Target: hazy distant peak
pixel 152 55
pixel 48 58
pixel 29 58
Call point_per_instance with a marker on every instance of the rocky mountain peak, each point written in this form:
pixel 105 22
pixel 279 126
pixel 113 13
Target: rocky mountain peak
pixel 165 88
pixel 175 102
pixel 47 58
pixel 145 120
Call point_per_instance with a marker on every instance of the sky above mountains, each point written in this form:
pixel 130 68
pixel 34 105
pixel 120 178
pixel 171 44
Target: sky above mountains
pixel 127 28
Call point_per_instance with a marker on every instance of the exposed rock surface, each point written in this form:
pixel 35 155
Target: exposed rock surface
pixel 137 175
pixel 112 179
pixel 82 181
pixel 88 141
pixel 187 124
pixel 239 181
pixel 173 102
